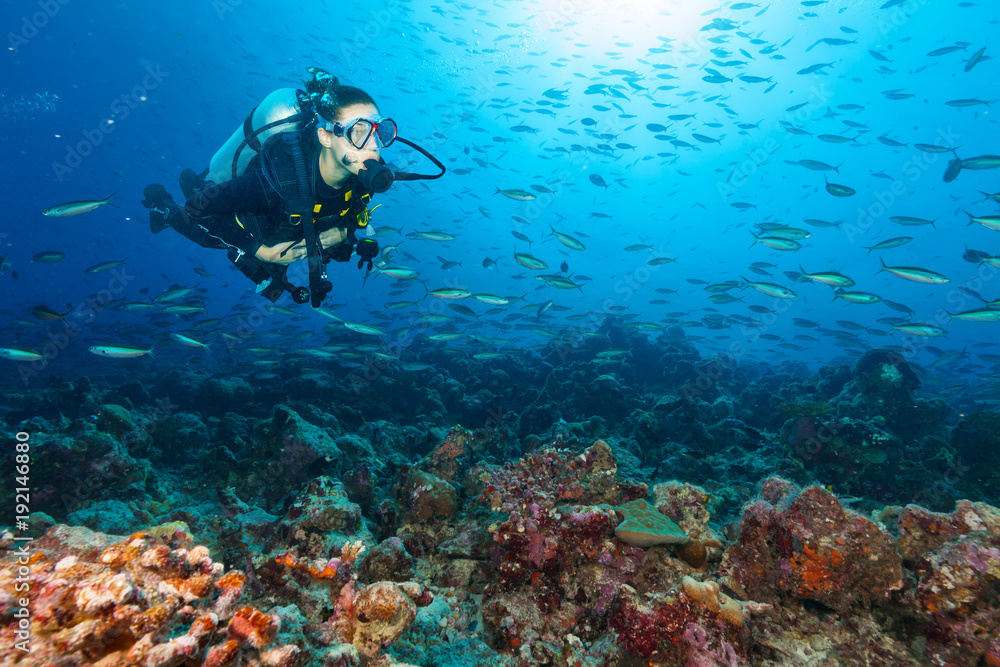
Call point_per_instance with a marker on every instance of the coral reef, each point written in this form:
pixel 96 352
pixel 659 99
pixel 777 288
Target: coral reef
pixel 138 601
pixel 647 506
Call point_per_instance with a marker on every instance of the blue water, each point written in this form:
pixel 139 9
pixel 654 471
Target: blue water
pixel 178 79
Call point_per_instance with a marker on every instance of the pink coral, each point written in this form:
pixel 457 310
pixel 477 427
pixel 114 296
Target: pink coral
pixel 922 531
pixel 956 586
pixel 656 626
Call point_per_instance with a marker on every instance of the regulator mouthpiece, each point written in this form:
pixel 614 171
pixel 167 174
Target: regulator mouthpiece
pixel 375 176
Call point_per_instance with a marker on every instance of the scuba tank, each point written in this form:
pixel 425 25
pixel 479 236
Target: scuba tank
pixel 281 105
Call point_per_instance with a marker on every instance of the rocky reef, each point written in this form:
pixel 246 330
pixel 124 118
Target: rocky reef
pixel 562 560
pixel 678 511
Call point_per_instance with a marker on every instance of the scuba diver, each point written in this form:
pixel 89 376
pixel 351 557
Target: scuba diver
pixel 300 192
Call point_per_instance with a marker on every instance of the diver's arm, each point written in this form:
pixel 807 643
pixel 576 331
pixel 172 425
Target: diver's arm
pixel 283 253
pixel 248 192
pixel 215 209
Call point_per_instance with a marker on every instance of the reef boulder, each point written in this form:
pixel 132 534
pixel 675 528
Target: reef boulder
pixel 810 547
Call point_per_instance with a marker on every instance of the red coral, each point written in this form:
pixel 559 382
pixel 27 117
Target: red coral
pixel 252 627
pixel 224 655
pixel 656 627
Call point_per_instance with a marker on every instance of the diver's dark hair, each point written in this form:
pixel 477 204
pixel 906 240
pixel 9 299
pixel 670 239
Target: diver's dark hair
pixel 328 96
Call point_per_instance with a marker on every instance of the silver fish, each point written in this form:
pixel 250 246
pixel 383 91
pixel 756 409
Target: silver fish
pixel 77 207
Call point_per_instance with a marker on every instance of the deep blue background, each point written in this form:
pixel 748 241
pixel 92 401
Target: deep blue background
pixel 457 77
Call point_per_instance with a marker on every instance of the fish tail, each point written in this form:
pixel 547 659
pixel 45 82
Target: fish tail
pixel 105 200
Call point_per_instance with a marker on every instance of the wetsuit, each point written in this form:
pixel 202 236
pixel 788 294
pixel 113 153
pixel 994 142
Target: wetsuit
pixel 250 211
pixel 247 212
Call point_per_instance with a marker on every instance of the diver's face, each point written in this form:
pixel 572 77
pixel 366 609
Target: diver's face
pixel 341 146
pixel 350 113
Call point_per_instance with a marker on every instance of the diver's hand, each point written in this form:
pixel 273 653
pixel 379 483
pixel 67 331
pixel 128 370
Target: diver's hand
pixel 282 253
pixel 285 254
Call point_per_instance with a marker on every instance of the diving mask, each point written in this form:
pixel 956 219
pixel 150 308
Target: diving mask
pixel 359 130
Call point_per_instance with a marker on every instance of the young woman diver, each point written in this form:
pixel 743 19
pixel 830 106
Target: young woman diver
pixel 301 193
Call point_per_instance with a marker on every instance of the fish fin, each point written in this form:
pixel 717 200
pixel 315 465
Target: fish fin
pixel 105 200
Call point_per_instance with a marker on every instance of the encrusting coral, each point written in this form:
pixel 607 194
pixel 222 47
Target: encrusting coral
pixel 134 602
pixel 144 602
